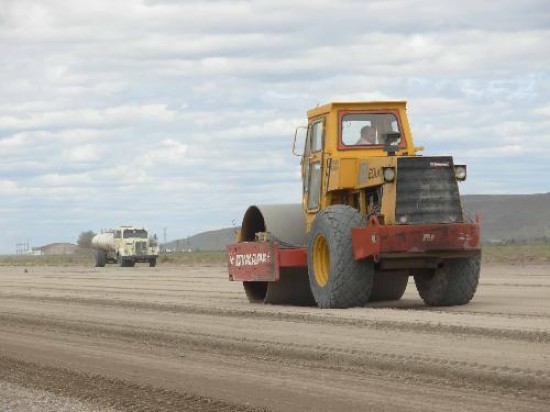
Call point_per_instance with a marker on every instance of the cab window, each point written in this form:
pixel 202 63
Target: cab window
pixel 135 233
pixel 314 186
pixel 368 129
pixel 311 164
pixel 314 142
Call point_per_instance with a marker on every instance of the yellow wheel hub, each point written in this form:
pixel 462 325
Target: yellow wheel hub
pixel 321 261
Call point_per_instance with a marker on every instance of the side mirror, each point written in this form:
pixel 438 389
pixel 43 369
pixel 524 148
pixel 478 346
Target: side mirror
pixel 391 144
pixel 302 136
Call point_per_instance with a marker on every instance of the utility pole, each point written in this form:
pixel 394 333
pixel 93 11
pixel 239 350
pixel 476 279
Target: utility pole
pixel 22 248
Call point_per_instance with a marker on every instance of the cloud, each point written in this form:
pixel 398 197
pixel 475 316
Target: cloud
pixel 180 114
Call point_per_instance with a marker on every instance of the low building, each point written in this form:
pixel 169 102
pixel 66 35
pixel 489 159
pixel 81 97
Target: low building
pixel 58 249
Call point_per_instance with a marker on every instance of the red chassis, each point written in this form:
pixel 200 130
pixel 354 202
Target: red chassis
pixel 422 243
pixel 418 240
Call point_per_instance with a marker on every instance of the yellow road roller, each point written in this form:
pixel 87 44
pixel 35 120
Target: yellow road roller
pixel 374 212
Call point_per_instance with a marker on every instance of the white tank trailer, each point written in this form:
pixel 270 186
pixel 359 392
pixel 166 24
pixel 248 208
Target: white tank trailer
pixel 125 246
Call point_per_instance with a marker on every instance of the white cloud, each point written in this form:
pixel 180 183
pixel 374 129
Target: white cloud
pixel 182 113
pixel 545 110
pixel 110 116
pixel 83 154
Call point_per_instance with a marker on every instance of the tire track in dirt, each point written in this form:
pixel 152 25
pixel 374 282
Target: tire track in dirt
pixel 107 392
pixel 515 285
pixel 194 332
pixel 429 369
pixel 141 291
pixel 541 336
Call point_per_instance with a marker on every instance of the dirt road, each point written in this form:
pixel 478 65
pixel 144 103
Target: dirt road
pixel 185 339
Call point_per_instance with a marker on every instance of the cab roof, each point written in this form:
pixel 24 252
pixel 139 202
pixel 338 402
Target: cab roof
pixel 372 105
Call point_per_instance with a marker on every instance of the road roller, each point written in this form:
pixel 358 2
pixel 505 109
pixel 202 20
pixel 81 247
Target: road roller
pixel 374 213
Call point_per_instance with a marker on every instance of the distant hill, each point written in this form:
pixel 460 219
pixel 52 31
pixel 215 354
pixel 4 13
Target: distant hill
pixel 206 241
pixel 503 217
pixel 511 217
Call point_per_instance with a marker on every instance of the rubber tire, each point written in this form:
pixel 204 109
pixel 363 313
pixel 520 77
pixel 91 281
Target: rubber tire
pixel 121 262
pixel 454 283
pixel 349 281
pixel 100 259
pixel 389 285
pixel 153 263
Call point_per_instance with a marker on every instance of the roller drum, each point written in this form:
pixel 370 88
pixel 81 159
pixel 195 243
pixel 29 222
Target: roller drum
pixel 286 223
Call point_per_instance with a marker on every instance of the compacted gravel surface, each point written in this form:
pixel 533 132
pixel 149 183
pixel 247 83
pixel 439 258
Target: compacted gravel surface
pixel 186 339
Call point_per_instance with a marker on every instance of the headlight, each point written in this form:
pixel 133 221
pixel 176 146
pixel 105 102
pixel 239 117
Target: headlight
pixel 389 174
pixel 460 172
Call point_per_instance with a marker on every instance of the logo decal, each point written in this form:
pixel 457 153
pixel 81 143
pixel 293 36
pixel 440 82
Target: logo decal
pixel 439 164
pixel 249 259
pixel 428 237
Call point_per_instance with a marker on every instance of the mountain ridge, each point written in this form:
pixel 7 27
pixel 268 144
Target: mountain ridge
pixel 504 218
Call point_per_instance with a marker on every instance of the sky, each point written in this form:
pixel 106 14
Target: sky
pixel 177 115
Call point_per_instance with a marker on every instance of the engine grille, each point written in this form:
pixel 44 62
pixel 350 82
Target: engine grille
pixel 141 248
pixel 427 191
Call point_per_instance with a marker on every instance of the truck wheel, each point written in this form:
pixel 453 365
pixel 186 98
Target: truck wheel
pixel 336 279
pixel 389 285
pixel 454 283
pixel 100 259
pixel 153 262
pixel 121 261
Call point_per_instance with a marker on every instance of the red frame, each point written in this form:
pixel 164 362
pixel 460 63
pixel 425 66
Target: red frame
pixel 438 239
pixel 342 113
pixel 267 267
pixel 262 261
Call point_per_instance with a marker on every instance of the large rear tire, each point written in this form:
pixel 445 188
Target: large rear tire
pixel 389 285
pixel 336 279
pixel 454 283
